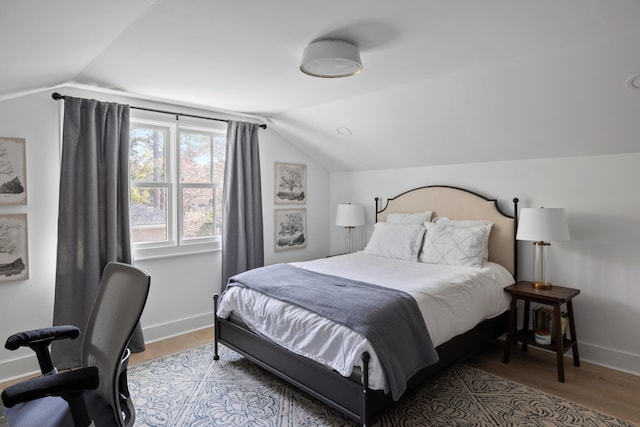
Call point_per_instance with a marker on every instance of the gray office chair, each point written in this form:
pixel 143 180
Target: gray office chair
pixel 97 393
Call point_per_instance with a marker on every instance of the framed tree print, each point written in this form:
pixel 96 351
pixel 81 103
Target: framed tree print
pixel 13 171
pixel 290 183
pixel 14 263
pixel 290 229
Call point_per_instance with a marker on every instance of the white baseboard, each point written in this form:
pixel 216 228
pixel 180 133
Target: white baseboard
pixel 613 359
pixel 177 327
pixel 605 357
pixel 28 365
pixel 17 368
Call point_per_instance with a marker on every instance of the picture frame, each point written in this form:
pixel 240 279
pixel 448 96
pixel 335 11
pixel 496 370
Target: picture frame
pixel 14 251
pixel 290 183
pixel 13 171
pixel 290 229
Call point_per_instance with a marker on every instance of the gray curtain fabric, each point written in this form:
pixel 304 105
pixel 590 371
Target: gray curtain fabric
pixel 93 213
pixel 242 233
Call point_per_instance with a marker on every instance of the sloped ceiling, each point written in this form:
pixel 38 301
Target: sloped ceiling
pixel 443 82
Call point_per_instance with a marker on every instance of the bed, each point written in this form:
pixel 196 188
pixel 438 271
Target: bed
pixel 356 384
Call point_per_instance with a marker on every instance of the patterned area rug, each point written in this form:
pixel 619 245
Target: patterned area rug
pixel 191 389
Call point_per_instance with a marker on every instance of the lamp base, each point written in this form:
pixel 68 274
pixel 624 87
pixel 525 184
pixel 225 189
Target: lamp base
pixel 349 238
pixel 542 285
pixel 541 265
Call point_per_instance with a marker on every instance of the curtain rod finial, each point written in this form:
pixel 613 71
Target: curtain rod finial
pixel 57 96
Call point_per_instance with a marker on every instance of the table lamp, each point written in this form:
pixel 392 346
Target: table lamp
pixel 542 226
pixel 349 216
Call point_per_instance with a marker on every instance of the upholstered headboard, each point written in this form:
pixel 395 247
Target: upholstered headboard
pixel 457 203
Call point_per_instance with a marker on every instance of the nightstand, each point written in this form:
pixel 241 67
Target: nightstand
pixel 556 297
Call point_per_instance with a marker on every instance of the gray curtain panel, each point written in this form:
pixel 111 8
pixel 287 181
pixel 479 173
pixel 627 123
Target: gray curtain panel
pixel 242 232
pixel 93 213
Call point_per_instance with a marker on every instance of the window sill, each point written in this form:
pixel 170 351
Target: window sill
pixel 174 251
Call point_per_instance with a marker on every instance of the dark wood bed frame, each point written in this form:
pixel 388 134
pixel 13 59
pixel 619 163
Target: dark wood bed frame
pixel 351 395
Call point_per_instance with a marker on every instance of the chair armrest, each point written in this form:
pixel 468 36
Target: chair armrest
pixel 64 385
pixel 39 340
pixel 39 337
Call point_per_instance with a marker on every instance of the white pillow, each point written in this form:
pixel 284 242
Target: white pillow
pixel 462 222
pixel 451 244
pixel 467 223
pixel 400 241
pixel 406 218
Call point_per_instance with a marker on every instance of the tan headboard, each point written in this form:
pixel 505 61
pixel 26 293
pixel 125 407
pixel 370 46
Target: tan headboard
pixel 457 203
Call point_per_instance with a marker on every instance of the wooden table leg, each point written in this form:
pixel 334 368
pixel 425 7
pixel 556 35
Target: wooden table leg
pixel 525 321
pixel 572 331
pixel 511 330
pixel 559 346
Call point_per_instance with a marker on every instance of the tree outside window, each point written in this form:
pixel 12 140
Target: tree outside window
pixel 176 175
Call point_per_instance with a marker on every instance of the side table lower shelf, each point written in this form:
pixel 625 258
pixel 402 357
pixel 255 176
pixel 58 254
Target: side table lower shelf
pixel 527 336
pixel 556 297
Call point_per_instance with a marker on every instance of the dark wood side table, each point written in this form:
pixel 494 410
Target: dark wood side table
pixel 556 296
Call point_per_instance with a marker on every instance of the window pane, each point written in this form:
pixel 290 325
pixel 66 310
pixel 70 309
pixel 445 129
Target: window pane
pixel 149 214
pixel 146 153
pixel 219 155
pixel 196 153
pixel 198 219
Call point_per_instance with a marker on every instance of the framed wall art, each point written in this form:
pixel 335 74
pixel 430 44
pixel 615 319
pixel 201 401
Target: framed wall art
pixel 290 183
pixel 13 171
pixel 290 229
pixel 14 252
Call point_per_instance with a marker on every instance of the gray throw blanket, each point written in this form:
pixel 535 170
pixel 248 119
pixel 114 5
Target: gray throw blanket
pixel 388 318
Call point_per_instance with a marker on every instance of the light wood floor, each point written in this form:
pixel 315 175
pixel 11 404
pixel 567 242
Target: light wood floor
pixel 605 390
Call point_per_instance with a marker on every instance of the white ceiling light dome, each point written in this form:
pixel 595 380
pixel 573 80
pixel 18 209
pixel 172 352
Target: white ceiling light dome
pixel 331 59
pixel 634 81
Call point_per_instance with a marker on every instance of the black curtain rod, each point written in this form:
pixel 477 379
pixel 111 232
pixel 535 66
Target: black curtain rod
pixel 58 96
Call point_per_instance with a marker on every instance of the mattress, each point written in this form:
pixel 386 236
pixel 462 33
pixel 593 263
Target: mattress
pixel 452 300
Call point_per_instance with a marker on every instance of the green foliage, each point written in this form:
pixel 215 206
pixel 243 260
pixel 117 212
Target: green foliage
pixel 201 158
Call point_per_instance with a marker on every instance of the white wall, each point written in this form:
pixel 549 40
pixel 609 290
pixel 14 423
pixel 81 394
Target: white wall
pixel 317 205
pixel 28 304
pixel 600 196
pixel 182 287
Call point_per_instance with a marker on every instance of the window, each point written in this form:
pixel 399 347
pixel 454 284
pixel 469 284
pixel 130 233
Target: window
pixel 176 175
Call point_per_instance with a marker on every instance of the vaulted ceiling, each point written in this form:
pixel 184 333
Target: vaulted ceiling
pixel 443 82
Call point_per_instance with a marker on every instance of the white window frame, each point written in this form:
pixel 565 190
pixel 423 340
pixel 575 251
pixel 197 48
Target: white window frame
pixel 175 244
pixel 181 186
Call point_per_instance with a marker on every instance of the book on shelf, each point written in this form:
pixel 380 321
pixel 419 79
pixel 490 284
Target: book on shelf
pixel 543 320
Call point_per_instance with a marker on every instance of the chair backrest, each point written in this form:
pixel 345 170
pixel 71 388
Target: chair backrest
pixel 115 314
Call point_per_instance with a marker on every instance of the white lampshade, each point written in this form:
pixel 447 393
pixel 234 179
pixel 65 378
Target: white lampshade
pixel 349 215
pixel 543 225
pixel 331 58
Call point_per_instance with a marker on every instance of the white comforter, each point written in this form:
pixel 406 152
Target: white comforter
pixel 452 300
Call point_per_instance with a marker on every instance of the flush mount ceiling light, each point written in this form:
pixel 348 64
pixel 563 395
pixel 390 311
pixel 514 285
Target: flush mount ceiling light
pixel 331 59
pixel 344 131
pixel 634 81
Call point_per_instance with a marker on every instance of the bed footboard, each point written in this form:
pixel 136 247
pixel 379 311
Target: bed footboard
pixel 350 396
pixel 340 393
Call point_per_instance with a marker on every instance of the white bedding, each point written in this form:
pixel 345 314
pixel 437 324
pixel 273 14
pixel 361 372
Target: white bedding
pixel 452 300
